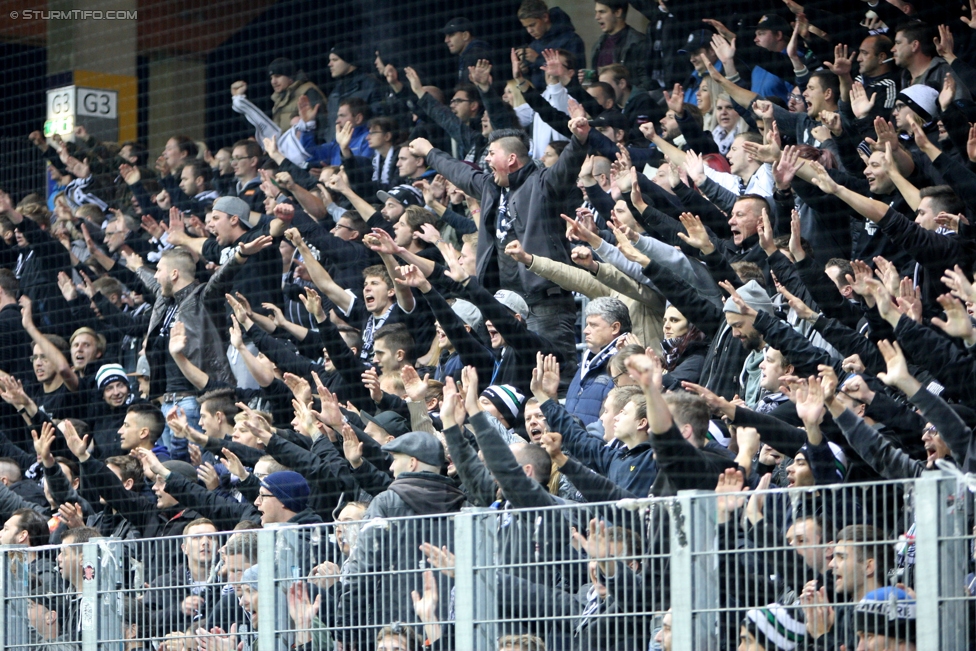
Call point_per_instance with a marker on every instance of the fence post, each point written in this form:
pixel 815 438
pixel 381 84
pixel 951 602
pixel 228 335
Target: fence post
pixel 268 591
pixel 89 596
pixel 940 559
pixel 13 590
pixel 694 576
pixel 109 604
pixel 474 593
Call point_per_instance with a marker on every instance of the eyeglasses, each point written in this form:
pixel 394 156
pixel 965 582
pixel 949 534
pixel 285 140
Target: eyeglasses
pixel 458 100
pixel 348 228
pixel 617 377
pixel 900 105
pixel 263 496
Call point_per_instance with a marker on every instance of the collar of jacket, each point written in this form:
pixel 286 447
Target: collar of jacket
pixel 517 178
pixel 286 94
pixel 183 293
pixel 749 242
pixel 640 448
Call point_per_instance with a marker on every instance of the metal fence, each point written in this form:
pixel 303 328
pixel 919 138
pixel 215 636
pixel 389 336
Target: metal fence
pixel 803 569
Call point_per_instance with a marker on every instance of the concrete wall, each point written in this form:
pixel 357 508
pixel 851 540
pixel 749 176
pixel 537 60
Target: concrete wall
pixel 177 99
pixel 106 46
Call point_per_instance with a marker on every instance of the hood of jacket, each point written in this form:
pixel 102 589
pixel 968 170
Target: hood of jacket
pixel 427 494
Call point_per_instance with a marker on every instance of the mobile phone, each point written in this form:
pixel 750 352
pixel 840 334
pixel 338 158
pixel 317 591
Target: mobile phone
pixel 589 77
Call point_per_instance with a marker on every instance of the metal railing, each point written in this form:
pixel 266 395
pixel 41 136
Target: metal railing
pixel 690 572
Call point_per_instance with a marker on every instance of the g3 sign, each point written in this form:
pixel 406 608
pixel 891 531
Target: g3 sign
pixel 97 103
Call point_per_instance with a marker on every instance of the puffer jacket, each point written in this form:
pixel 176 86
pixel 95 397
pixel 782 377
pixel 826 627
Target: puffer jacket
pixel 536 198
pixel 586 393
pixel 286 102
pixel 193 304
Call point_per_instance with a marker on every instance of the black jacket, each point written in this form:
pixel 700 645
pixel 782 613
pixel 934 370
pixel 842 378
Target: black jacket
pixel 536 199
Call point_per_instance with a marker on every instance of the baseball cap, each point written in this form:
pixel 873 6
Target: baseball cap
pixel 405 195
pixel 774 23
pixel 696 40
pixel 612 118
pixel 235 206
pixel 468 313
pixel 513 301
pixel 459 24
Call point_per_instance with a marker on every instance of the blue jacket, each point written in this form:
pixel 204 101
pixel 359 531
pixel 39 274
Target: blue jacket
pixel 586 395
pixel 561 36
pixel 330 152
pixel 633 469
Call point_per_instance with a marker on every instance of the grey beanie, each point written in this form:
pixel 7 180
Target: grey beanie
pixel 755 297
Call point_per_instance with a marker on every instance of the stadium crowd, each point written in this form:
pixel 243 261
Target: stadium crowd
pixel 372 309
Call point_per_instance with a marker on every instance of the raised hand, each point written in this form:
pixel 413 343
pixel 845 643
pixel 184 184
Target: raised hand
pixel 554 65
pixel 67 287
pixel 208 476
pixel 945 44
pixel 809 398
pixel 843 61
pixel 730 488
pixel 412 276
pixel 948 93
pixel 724 48
pixel 676 100
pixel 75 443
pixel 787 166
pixel 416 85
pixel 255 246
pixel 957 322
pixel 352 447
pixel 130 174
pixel 802 310
pixel 43 443
pixel 299 387
pixel 413 385
pixel 695 234
pixel 861 104
pixel 957 281
pixel 372 383
pixel 823 181
pixel 647 370
pixel 545 378
pixel 897 374
pixel 766 236
pixel 694 165
pixel 306 110
pixel 381 242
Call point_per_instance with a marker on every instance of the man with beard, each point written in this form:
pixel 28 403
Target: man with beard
pixel 179 297
pixel 743 328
